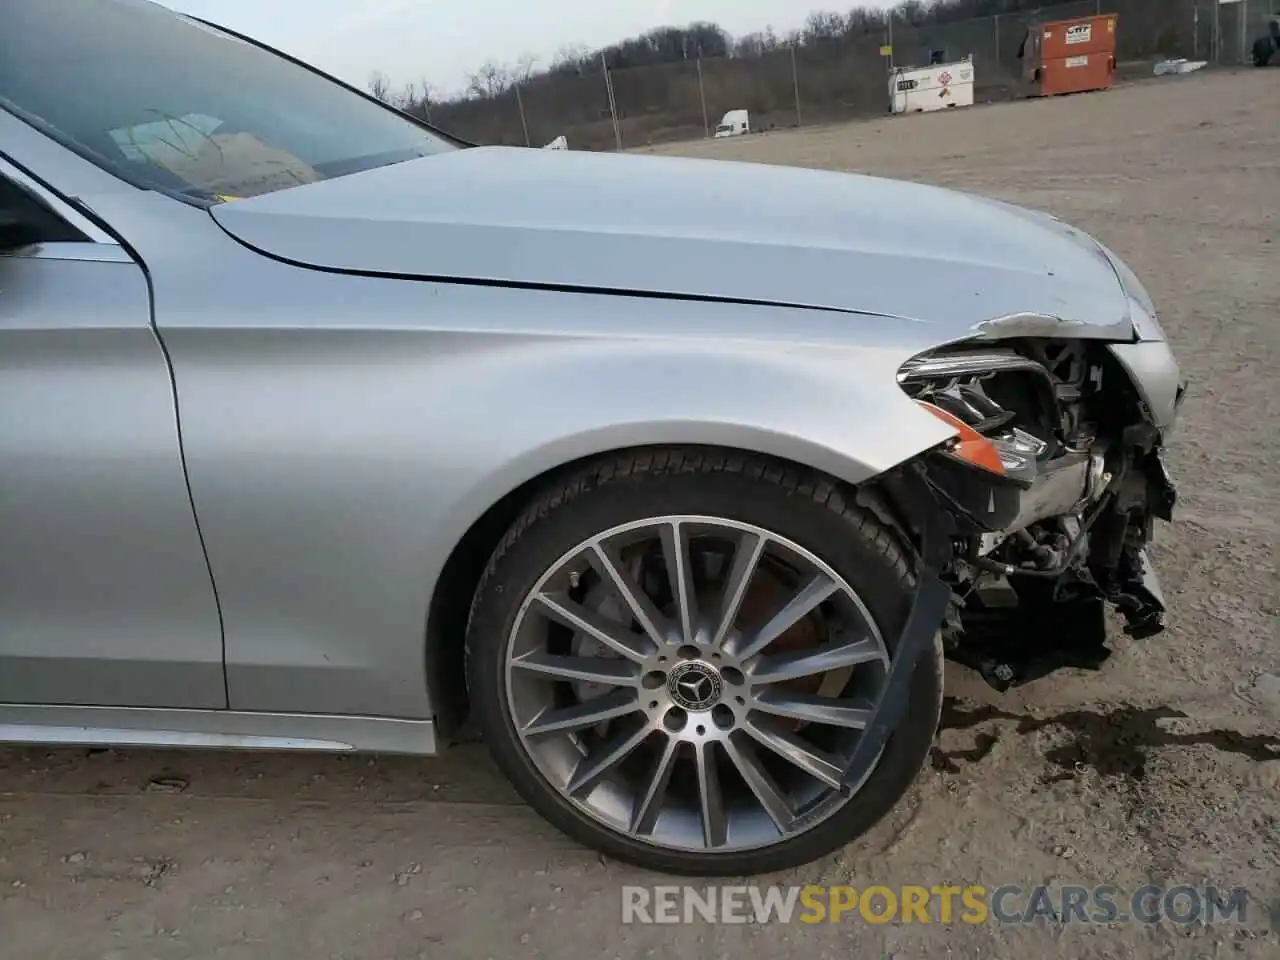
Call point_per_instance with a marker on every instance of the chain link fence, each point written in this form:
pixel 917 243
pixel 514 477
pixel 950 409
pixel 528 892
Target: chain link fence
pixel 823 81
pixel 1226 31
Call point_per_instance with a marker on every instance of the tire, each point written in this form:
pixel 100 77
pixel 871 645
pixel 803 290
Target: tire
pixel 798 506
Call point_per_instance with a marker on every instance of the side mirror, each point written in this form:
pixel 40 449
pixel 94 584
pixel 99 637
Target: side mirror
pixel 16 232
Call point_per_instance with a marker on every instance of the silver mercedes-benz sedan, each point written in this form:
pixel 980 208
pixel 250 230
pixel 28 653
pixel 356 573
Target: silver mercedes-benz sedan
pixel 676 481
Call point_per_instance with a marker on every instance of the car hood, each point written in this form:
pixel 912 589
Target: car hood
pixel 699 229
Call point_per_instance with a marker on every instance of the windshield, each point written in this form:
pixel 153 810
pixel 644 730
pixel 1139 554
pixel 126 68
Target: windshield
pixel 165 101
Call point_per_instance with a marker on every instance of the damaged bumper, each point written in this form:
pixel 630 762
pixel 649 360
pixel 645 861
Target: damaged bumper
pixel 1151 366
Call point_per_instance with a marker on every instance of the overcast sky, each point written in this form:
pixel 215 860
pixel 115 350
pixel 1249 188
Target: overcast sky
pixel 444 40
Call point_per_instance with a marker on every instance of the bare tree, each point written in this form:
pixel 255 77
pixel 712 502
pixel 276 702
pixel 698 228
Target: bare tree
pixel 490 81
pixel 417 99
pixel 755 44
pixel 821 26
pixel 380 86
pixel 428 96
pixel 406 98
pixel 914 12
pixel 570 58
pixel 525 68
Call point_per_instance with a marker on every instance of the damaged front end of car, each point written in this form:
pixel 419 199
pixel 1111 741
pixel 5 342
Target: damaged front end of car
pixel 1050 490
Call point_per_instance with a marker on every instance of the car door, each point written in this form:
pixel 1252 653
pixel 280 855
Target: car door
pixel 105 593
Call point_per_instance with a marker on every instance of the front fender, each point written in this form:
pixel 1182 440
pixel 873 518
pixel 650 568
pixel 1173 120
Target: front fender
pixel 838 410
pixel 342 434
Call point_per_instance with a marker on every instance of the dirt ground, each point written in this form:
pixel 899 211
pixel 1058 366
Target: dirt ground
pixel 1164 767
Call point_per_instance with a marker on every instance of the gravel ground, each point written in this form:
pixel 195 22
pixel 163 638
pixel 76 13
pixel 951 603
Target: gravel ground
pixel 1164 767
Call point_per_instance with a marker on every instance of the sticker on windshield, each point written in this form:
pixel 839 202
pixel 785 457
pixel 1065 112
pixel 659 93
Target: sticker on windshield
pixel 229 166
pixel 184 134
pixel 241 165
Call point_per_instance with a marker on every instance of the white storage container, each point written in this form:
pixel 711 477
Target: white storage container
pixel 936 87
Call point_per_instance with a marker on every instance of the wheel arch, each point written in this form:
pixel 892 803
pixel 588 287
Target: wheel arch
pixel 835 411
pixel 451 598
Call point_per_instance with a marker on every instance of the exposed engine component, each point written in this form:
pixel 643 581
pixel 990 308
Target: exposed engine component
pixel 1052 460
pixel 1055 479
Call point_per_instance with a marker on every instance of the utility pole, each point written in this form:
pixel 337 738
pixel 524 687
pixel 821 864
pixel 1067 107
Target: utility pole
pixel 1243 18
pixel 524 124
pixel 613 104
pixel 702 95
pixel 795 81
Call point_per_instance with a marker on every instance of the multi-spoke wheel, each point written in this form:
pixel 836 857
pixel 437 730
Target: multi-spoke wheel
pixel 674 662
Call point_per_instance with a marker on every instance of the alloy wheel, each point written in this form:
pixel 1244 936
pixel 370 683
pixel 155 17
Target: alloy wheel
pixel 695 683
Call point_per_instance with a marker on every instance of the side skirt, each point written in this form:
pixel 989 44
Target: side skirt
pixel 213 729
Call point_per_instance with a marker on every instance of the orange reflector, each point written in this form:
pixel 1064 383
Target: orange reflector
pixel 971 446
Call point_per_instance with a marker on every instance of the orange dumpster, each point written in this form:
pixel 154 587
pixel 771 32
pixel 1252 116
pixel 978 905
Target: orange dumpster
pixel 1069 56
